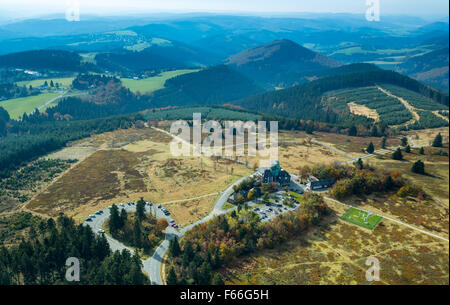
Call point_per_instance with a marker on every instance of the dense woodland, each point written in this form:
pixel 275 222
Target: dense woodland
pixel 41 259
pixel 45 59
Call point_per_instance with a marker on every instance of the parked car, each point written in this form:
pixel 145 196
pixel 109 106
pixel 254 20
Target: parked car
pixel 101 231
pixel 256 209
pixel 88 219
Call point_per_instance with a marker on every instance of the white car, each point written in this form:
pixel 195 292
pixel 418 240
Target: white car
pixel 101 231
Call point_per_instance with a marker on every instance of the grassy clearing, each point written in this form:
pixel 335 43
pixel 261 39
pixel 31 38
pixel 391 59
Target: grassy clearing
pixel 153 83
pixel 362 218
pixel 64 83
pixel 18 106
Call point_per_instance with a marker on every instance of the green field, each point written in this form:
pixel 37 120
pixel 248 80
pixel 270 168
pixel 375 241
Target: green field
pixel 296 196
pixel 153 83
pixel 18 106
pixel 64 83
pixel 361 218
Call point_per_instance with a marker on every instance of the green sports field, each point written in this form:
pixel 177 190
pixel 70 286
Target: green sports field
pixel 18 106
pixel 362 218
pixel 153 83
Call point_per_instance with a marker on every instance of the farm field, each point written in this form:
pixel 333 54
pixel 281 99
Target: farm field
pixel 153 83
pixel 64 82
pixel 129 164
pixel 18 106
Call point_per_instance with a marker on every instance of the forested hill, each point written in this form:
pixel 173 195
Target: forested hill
pixel 279 63
pixel 216 85
pixel 304 101
pixel 44 59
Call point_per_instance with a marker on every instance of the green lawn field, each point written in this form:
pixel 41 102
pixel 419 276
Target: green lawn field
pixel 362 218
pixel 64 83
pixel 18 106
pixel 152 83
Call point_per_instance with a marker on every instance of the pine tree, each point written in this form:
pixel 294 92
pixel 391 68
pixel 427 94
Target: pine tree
pixel 370 148
pixel 218 280
pixel 404 141
pixel 418 167
pixel 205 274
pixel 114 219
pixel 137 233
pixel 397 155
pixel 421 151
pixel 359 164
pixel 437 142
pixel 140 209
pixel 172 277
pixel 123 218
pixel 352 131
pixel 383 142
pixel 408 149
pixel 174 247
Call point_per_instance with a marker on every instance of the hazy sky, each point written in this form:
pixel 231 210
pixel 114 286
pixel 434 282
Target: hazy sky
pixel 26 8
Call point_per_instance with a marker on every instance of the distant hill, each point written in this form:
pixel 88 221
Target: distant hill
pixel 226 45
pixel 157 56
pixel 279 63
pixel 430 68
pixel 43 59
pixel 216 85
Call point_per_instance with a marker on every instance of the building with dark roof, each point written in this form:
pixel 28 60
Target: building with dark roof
pixel 321 184
pixel 276 174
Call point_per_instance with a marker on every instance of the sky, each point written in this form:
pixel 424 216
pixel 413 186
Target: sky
pixel 31 8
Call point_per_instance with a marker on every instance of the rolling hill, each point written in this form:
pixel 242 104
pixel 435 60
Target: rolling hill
pixel 430 68
pixel 279 63
pixel 43 59
pixel 215 85
pixel 325 100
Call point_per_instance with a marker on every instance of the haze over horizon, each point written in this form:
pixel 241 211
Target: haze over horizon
pixel 22 9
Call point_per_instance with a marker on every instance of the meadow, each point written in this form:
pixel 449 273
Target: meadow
pixel 18 106
pixel 153 83
pixel 64 82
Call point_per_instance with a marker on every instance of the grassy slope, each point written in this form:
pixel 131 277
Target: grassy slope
pixel 18 106
pixel 64 82
pixel 153 83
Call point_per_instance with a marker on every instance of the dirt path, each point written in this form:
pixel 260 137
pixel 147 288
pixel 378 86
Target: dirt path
pixel 405 103
pixel 436 113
